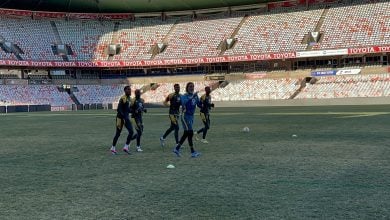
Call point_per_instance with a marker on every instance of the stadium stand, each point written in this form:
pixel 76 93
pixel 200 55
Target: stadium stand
pixel 33 37
pixel 373 85
pixel 344 86
pixel 343 26
pixel 87 39
pixel 275 32
pixel 92 94
pixel 359 24
pixel 356 26
pixel 262 89
pixel 137 37
pixel 185 40
pixel 34 95
pixel 7 56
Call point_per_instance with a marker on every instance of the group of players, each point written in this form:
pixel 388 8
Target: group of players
pixel 181 106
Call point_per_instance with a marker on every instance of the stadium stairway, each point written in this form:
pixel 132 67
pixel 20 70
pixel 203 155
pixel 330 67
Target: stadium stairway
pixel 70 93
pixel 13 48
pixel 17 50
pixel 223 84
pixel 147 87
pixel 242 22
pixel 58 38
pixel 164 40
pixel 74 99
pixel 301 87
pixel 18 57
pixel 219 84
pixel 318 28
pixel 114 39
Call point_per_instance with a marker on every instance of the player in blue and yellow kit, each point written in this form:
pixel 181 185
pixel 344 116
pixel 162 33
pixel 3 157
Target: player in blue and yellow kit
pixel 206 104
pixel 137 109
pixel 122 119
pixel 174 102
pixel 189 101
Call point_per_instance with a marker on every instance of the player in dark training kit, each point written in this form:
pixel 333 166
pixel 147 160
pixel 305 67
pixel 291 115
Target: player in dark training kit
pixel 206 104
pixel 137 109
pixel 174 102
pixel 122 119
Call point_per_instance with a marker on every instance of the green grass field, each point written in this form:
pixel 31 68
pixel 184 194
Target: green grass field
pixel 58 166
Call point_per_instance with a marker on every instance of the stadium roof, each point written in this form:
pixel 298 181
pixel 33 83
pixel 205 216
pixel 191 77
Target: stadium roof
pixel 122 6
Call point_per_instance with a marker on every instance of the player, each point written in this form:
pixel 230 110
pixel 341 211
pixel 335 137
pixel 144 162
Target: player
pixel 137 109
pixel 173 100
pixel 189 101
pixel 122 119
pixel 206 104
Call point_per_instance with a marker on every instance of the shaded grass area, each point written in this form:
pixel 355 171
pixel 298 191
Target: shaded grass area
pixel 57 166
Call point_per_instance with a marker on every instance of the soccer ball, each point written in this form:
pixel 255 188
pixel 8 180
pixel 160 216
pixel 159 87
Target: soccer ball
pixel 245 129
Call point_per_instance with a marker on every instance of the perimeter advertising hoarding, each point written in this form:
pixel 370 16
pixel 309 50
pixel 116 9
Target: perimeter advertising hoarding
pixel 322 53
pixel 324 73
pixel 336 72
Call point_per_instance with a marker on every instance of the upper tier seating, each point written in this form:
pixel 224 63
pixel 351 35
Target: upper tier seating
pixel 33 37
pixel 356 26
pixel 275 32
pixel 344 26
pixel 87 39
pixel 137 38
pixel 200 37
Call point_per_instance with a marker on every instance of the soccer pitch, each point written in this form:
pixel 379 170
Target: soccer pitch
pixel 58 166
